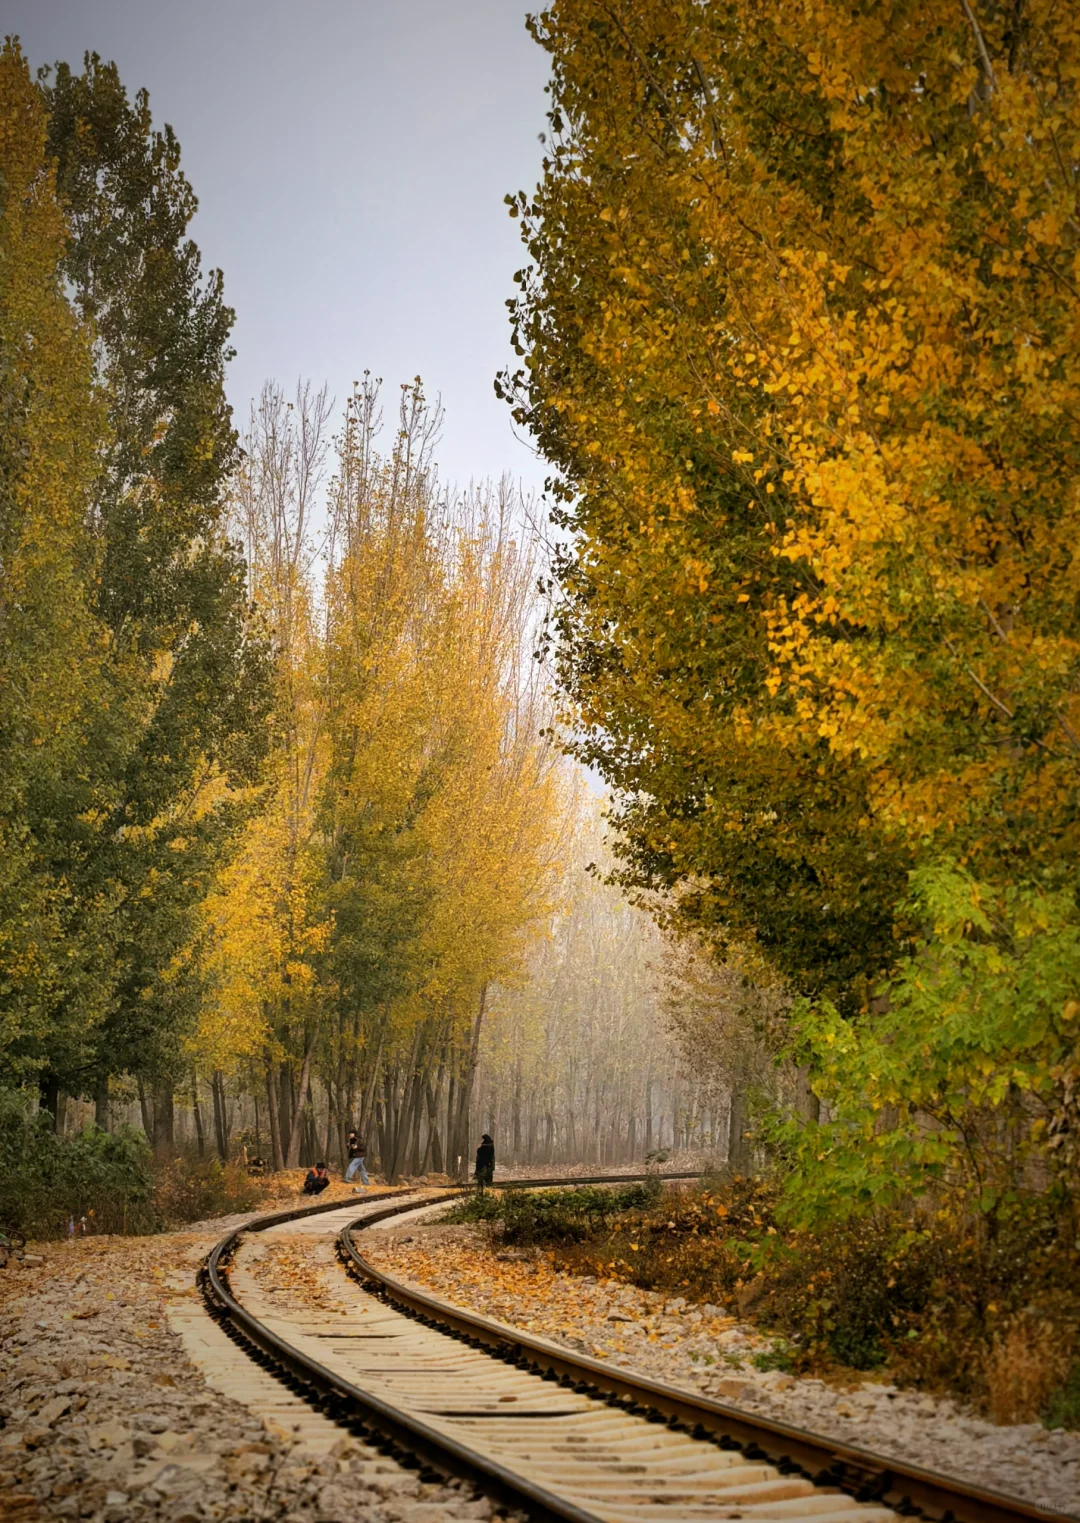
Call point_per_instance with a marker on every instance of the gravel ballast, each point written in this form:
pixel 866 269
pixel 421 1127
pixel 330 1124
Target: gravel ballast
pixel 104 1417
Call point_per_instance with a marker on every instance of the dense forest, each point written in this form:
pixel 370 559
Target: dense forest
pixel 289 844
pixel 295 830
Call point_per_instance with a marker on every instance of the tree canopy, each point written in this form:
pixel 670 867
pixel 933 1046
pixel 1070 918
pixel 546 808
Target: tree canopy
pixel 799 338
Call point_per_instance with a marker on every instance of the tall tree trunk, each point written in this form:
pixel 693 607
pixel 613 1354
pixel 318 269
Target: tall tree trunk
pixel 404 1116
pixel 369 1098
pixel 469 1076
pixel 309 1139
pixel 738 1153
pixel 292 1152
pixel 49 1098
pixel 382 1134
pixel 273 1119
pixel 517 1112
pixel 417 1126
pixel 286 1109
pixel 101 1103
pixel 144 1108
pixel 197 1113
pixel 164 1119
pixel 453 1162
pixel 221 1118
pixel 332 1110
pixel 434 1148
pixel 807 1103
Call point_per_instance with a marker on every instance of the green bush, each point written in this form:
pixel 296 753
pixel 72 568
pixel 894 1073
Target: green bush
pixel 104 1181
pixel 1064 1408
pixel 554 1216
pixel 48 1182
pixel 929 1294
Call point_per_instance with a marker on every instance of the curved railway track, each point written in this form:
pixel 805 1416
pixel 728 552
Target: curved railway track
pixel 555 1434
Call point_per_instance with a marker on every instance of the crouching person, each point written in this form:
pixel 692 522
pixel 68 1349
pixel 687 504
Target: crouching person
pixel 317 1180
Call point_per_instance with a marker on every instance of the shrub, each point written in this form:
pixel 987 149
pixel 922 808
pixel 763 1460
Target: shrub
pixel 187 1191
pixel 951 1299
pixel 553 1216
pixel 103 1181
pixel 47 1182
pixel 1063 1408
pixel 1023 1370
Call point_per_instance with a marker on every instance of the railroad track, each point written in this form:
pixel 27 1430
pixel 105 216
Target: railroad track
pixel 555 1434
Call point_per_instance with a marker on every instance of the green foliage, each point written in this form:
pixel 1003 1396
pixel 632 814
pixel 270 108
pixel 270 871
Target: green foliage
pixel 134 685
pixel 970 1069
pixel 553 1216
pixel 705 1241
pixel 930 1296
pixel 812 619
pixel 57 729
pixel 104 1181
pixel 779 1356
pixel 47 1182
pixel 189 673
pixel 1064 1408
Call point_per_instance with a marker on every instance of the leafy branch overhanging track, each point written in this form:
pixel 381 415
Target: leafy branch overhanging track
pixel 577 1444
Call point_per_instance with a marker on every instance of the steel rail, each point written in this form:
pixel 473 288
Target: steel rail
pixel 407 1435
pixel 862 1473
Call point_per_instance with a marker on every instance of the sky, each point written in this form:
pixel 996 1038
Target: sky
pixel 350 158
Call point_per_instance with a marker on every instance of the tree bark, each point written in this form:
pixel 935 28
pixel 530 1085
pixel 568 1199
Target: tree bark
pixel 101 1103
pixel 434 1147
pixel 738 1153
pixel 469 1076
pixel 197 1113
pixel 164 1119
pixel 221 1119
pixel 292 1153
pixel 50 1100
pixel 144 1109
pixel 807 1103
pixel 272 1118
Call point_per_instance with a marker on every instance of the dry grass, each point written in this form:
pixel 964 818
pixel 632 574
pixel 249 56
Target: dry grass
pixel 1022 1370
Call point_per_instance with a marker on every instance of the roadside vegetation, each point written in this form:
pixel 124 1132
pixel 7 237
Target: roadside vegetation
pixel 95 1182
pixel 946 1301
pixel 797 335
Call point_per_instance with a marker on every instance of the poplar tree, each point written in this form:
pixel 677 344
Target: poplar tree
pixel 799 341
pixel 55 723
pixel 185 667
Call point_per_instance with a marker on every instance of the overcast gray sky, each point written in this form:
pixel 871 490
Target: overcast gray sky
pixel 350 159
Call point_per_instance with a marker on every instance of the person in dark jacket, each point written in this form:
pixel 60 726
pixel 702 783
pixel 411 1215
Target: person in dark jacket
pixel 357 1154
pixel 485 1162
pixel 317 1180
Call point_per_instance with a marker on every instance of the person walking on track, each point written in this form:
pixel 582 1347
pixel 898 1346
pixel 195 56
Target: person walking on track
pixel 485 1162
pixel 357 1156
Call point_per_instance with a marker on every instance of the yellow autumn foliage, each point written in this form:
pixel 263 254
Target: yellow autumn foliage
pixel 801 335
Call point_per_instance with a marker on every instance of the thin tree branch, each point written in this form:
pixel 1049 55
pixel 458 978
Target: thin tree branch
pixel 980 42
